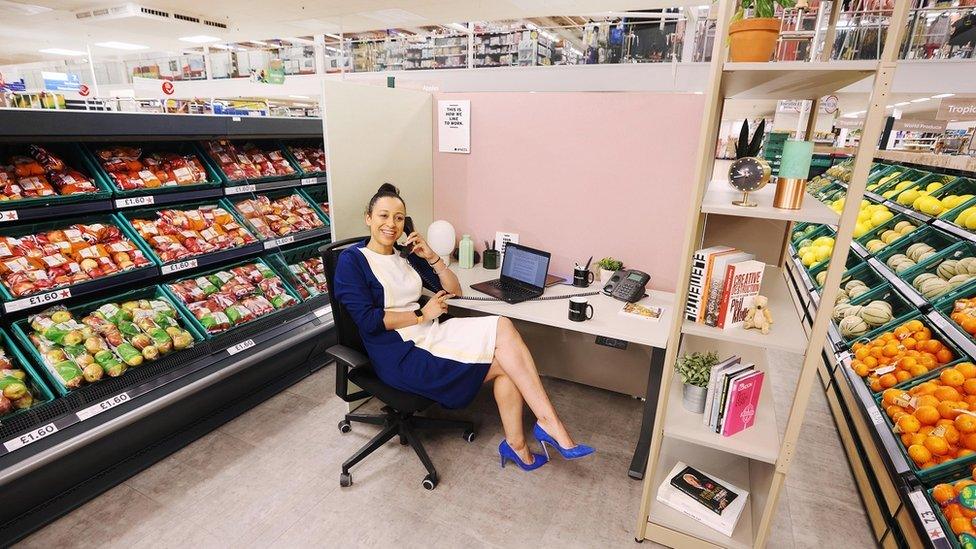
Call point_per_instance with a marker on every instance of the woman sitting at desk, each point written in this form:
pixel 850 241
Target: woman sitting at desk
pixel 448 361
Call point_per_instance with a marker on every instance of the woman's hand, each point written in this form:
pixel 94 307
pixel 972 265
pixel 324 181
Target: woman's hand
pixel 436 305
pixel 420 246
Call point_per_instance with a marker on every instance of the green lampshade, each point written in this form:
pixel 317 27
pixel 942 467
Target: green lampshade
pixel 795 163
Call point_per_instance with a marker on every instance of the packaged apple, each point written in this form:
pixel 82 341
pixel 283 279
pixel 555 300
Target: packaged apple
pixel 15 389
pixel 132 168
pixel 280 216
pixel 233 162
pixel 311 273
pixel 52 259
pixel 310 158
pixel 177 234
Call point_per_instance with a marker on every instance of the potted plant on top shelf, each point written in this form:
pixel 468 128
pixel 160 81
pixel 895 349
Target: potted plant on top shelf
pixel 753 39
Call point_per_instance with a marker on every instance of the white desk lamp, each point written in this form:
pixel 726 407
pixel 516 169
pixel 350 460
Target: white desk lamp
pixel 442 238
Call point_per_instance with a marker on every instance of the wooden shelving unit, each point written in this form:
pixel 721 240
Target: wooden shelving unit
pixel 759 458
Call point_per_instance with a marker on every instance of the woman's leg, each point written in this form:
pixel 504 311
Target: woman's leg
pixel 510 405
pixel 516 361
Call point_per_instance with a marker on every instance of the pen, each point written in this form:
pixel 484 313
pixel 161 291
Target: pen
pixel 588 261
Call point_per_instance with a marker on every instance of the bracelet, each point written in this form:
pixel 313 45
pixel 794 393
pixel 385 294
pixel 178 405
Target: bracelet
pixel 434 263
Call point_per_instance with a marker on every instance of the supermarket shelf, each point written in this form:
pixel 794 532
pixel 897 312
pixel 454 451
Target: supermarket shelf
pixel 45 299
pixel 211 259
pixel 719 196
pixel 786 333
pixel 954 230
pixel 68 125
pixel 918 216
pixel 792 79
pixel 272 185
pixel 300 237
pixel 163 199
pixel 50 211
pixel 760 442
pixel 904 288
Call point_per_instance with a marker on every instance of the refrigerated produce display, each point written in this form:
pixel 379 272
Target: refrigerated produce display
pixel 898 368
pixel 143 310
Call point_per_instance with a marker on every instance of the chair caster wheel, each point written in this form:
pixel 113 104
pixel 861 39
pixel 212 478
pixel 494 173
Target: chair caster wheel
pixel 403 441
pixel 344 426
pixel 345 480
pixel 430 482
pixel 469 436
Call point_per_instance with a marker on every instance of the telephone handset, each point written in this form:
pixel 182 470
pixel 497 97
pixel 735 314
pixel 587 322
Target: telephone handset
pixel 407 229
pixel 627 285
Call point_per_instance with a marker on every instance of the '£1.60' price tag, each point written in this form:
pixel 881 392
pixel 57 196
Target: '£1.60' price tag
pixel 102 406
pixel 240 189
pixel 179 266
pixel 36 300
pixel 31 437
pixel 134 201
pixel 240 347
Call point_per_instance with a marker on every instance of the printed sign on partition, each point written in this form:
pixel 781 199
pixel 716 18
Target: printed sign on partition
pixel 454 126
pixel 957 108
pixel 918 125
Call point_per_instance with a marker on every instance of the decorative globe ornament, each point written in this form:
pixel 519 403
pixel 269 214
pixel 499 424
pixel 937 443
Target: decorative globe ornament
pixel 442 238
pixel 748 175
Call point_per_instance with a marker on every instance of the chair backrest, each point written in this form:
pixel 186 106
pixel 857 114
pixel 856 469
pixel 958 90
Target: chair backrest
pixel 347 333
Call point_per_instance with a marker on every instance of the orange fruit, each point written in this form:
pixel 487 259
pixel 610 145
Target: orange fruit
pixel 965 423
pixel 870 362
pixel 927 415
pixel 890 350
pixel 969 387
pixel 918 370
pixel 962 484
pixel 937 445
pixel 909 343
pixel 947 393
pixel 943 493
pixel 932 346
pixel 860 368
pixel 953 510
pixel 926 400
pixel 919 454
pixel 927 360
pixel 860 353
pixel 969 324
pixel 907 362
pixel 907 438
pixel 926 388
pixel 944 356
pixel 909 424
pixel 963 453
pixel 967 369
pixel 857 346
pixel 947 409
pixel 952 377
pixel 891 396
pixel 875 384
pixel 875 352
pixel 894 409
pixel 918 438
pixel 921 336
pixel 914 325
pixel 952 437
pixel 888 380
pixel 902 375
pixel 960 525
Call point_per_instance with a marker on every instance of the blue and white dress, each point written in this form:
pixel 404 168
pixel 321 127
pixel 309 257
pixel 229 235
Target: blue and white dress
pixel 444 361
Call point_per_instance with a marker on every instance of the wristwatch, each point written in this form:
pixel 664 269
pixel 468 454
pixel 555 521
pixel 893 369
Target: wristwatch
pixel 420 315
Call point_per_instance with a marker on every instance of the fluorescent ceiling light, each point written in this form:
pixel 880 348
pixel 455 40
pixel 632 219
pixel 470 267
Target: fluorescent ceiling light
pixel 121 46
pixel 296 40
pixel 903 103
pixel 199 39
pixel 889 106
pixel 62 51
pixel 258 42
pixel 920 100
pixel 299 97
pixel 221 46
pixel 941 95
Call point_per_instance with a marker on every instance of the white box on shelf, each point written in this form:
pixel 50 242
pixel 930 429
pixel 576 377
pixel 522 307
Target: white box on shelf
pixel 678 500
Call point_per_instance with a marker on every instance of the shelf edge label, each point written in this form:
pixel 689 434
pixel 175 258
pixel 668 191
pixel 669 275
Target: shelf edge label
pixel 240 347
pixel 240 189
pixel 179 266
pixel 9 215
pixel 309 180
pixel 103 406
pixel 135 201
pixel 322 311
pixel 39 299
pixel 875 414
pixel 933 529
pixel 31 437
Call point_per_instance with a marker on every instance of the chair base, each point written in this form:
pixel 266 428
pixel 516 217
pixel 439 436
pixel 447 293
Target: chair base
pixel 405 426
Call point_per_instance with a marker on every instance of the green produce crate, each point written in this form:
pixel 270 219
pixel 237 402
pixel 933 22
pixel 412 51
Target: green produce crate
pixel 901 311
pixel 35 382
pixel 273 195
pixel 73 156
pixel 937 239
pixel 319 195
pixel 922 183
pixel 286 146
pixel 904 174
pixel 179 147
pixel 264 144
pixel 279 261
pixel 105 281
pixel 184 308
pixel 946 303
pixel 876 232
pixel 863 272
pixel 22 329
pixel 957 251
pixel 853 261
pixel 805 229
pixel 961 185
pixel 953 539
pixel 831 192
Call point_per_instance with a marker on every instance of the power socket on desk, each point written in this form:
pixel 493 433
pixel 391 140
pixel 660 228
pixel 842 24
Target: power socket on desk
pixel 611 342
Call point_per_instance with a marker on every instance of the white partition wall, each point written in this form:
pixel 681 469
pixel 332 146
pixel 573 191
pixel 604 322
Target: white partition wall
pixel 376 134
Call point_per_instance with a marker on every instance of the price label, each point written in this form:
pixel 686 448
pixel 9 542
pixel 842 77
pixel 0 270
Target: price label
pixel 279 242
pixel 8 215
pixel 875 414
pixel 31 437
pixel 924 511
pixel 102 406
pixel 320 312
pixel 309 180
pixel 885 370
pixel 240 189
pixel 36 300
pixel 242 346
pixel 135 201
pixel 179 266
pixel 236 118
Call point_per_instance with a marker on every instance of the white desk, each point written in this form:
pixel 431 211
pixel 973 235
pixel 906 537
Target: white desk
pixel 607 322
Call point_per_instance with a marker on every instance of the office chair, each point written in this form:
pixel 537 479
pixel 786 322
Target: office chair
pixel 400 408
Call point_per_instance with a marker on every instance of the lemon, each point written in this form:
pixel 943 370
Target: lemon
pixel 903 185
pixel 971 221
pixel 822 252
pixel 879 217
pixel 907 197
pixel 808 259
pixel 861 229
pixel 934 186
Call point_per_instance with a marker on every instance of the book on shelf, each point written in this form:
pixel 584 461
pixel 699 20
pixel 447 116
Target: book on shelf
pixel 713 377
pixel 743 279
pixel 700 263
pixel 722 393
pixel 707 499
pixel 716 283
pixel 741 404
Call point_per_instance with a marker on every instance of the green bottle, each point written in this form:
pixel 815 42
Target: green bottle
pixel 466 252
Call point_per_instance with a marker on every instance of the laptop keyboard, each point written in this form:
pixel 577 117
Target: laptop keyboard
pixel 510 288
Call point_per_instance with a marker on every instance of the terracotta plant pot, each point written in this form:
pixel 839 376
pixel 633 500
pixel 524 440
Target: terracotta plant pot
pixel 753 40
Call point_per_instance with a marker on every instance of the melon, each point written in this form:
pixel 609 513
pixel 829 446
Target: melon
pixel 821 277
pixel 895 259
pixel 947 269
pixel 926 256
pixel 844 310
pixel 922 278
pixel 857 291
pixel 933 288
pixel 959 280
pixel 965 265
pixel 854 283
pixel 876 313
pixel 904 266
pixel 853 326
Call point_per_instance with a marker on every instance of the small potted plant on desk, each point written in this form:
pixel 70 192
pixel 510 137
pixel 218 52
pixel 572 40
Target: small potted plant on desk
pixel 753 39
pixel 608 266
pixel 694 370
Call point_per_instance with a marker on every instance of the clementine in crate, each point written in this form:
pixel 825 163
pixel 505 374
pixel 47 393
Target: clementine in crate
pixel 957 503
pixel 907 352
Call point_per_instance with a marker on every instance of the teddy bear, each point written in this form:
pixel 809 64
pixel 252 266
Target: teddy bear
pixel 759 316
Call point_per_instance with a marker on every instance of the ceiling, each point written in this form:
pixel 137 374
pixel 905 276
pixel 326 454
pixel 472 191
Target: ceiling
pixel 27 26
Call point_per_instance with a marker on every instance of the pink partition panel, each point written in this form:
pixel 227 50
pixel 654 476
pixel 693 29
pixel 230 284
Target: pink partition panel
pixel 576 174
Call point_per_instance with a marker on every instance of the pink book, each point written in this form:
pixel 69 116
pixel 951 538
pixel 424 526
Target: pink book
pixel 740 407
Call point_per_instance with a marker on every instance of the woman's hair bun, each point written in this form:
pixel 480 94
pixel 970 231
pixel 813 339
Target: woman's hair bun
pixel 388 188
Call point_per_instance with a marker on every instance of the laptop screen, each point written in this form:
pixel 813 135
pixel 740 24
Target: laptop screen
pixel 525 265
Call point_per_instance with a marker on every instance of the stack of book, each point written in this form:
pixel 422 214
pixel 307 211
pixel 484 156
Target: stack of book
pixel 732 396
pixel 723 283
pixel 703 497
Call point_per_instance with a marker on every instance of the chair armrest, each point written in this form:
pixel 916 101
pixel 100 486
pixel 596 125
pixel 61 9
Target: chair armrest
pixel 347 358
pixel 351 358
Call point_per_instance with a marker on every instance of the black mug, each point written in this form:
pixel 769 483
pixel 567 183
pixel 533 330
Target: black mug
pixel 580 309
pixel 582 278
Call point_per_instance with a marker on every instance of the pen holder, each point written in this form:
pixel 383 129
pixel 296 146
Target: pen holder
pixel 582 278
pixel 489 259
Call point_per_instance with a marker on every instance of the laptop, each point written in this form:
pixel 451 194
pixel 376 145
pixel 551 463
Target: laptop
pixel 524 272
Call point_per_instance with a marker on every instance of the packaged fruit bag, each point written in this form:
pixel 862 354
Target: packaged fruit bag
pixel 15 393
pixel 227 298
pixel 107 340
pixel 131 168
pixel 310 158
pixel 247 160
pixel 280 216
pixel 52 259
pixel 957 503
pixel 311 273
pixel 896 356
pixel 40 174
pixel 177 234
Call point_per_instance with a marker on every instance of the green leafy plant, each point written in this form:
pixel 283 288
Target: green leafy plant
pixel 695 368
pixel 761 8
pixel 611 264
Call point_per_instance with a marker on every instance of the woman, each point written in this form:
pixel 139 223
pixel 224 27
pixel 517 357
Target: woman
pixel 445 361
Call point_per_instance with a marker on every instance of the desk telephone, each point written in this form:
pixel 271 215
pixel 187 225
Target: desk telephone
pixel 627 285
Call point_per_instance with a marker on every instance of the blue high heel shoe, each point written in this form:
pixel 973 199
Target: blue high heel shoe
pixel 506 453
pixel 576 452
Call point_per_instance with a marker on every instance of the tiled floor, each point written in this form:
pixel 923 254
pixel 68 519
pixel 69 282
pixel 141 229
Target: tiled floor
pixel 270 478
